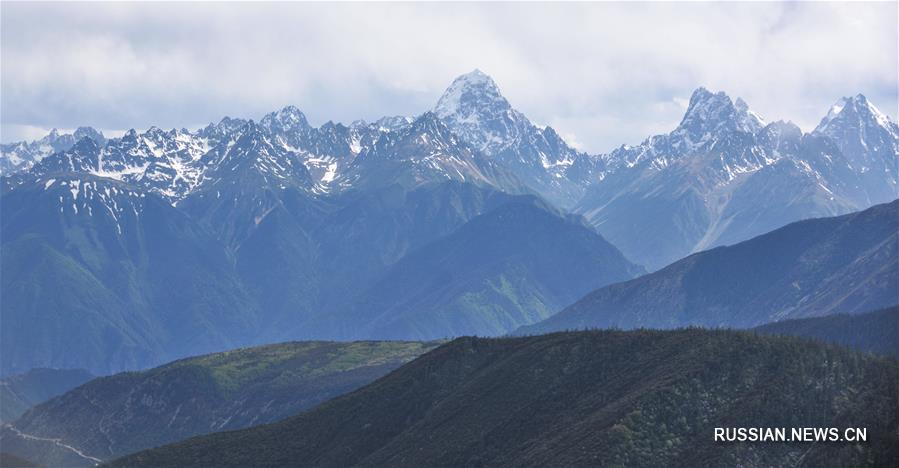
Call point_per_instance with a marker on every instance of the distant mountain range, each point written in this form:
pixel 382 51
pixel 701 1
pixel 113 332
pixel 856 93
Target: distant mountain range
pixel 844 264
pixel 128 252
pixel 874 332
pixel 722 176
pixel 641 398
pixel 22 156
pixel 113 416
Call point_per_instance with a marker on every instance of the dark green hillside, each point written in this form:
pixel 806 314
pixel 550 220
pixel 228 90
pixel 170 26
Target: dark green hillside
pixel 22 391
pixel 844 264
pixel 123 413
pixel 514 265
pixel 875 332
pixel 639 398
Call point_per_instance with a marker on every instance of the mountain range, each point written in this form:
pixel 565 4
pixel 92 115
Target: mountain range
pixel 22 156
pixel 118 253
pixel 722 176
pixel 846 264
pixel 611 398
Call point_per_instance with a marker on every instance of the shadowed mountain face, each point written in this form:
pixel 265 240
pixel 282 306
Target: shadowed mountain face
pixel 96 274
pixel 874 332
pixel 577 399
pixel 123 413
pixel 514 265
pixel 846 264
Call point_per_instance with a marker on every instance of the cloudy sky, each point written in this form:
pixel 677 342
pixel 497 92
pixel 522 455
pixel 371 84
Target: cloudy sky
pixel 601 74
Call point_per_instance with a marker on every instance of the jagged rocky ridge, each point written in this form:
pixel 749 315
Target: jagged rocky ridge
pixel 22 156
pixel 281 150
pixel 722 176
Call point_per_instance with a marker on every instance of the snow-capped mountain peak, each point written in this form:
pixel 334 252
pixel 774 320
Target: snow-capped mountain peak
pixel 784 129
pixel 22 156
pixel 473 108
pixel 287 119
pixel 221 131
pixel 392 123
pixel 854 110
pixel 469 94
pixel 709 112
pixel 715 132
pixel 89 132
pixel 869 142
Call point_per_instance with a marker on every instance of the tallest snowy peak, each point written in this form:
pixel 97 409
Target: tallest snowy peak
pixel 474 79
pixel 473 92
pixel 476 76
pixel 473 108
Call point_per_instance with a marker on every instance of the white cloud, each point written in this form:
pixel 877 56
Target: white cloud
pixel 609 73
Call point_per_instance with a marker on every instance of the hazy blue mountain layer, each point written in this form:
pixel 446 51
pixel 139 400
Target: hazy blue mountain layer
pixel 844 264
